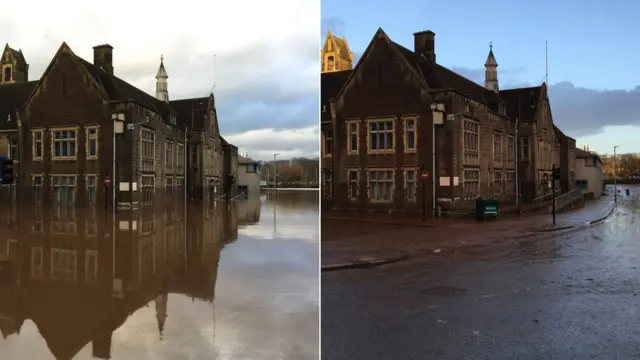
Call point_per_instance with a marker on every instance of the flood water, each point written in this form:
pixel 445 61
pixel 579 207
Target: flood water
pixel 169 281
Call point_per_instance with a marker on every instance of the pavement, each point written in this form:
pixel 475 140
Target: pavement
pixel 572 294
pixel 349 242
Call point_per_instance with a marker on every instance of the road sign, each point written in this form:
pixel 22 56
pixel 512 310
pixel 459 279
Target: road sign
pixel 107 180
pixel 425 175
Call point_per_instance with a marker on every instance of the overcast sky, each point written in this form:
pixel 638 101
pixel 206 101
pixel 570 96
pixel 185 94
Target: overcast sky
pixel 266 71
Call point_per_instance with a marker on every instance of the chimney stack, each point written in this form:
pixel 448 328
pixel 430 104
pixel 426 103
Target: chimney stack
pixel 103 57
pixel 424 44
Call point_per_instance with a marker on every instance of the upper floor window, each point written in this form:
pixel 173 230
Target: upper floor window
pixel 353 137
pixel 168 153
pixel 37 138
pixel 471 142
pixel 92 142
pixel 409 134
pixel 64 144
pixel 7 73
pixel 328 145
pixel 147 149
pixel 381 137
pixel 497 146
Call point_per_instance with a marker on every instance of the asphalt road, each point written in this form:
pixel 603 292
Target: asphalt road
pixel 565 296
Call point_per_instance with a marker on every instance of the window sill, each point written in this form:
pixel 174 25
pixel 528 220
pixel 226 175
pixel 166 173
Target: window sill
pixel 36 159
pixel 380 201
pixel 381 152
pixel 64 158
pixel 352 153
pixel 410 151
pixel 92 158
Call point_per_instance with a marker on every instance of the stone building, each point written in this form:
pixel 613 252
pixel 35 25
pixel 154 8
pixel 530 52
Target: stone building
pixel 230 168
pixel 15 87
pixel 335 54
pixel 60 132
pixel 400 114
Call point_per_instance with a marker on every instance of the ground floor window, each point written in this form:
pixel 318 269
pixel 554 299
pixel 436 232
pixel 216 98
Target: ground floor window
pixel 64 188
pixel 64 220
pixel 91 222
pixel 380 185
pixel 92 188
pixel 354 177
pixel 327 183
pixel 147 188
pixel 410 185
pixel 37 181
pixel 497 182
pixel 511 182
pixel 471 184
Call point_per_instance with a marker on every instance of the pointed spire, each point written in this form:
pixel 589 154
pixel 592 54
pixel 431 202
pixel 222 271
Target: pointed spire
pixel 491 59
pixel 162 86
pixel 491 71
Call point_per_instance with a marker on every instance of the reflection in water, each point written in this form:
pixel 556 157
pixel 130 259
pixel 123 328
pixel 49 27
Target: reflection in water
pixel 79 284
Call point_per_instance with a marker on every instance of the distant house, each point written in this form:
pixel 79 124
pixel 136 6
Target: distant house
pixel 248 176
pixel 589 175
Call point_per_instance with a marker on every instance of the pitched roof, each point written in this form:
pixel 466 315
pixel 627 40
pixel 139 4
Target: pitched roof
pixel 245 160
pixel 12 98
pixel 438 77
pixel 117 89
pixel 583 154
pixel 330 85
pixel 226 143
pixel 18 57
pixel 191 112
pixel 519 102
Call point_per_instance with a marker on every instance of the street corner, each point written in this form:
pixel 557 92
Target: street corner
pixel 361 261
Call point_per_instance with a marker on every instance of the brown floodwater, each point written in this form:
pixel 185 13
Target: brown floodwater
pixel 168 281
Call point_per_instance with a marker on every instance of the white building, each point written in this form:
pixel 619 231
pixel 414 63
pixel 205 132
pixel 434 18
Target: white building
pixel 249 176
pixel 589 175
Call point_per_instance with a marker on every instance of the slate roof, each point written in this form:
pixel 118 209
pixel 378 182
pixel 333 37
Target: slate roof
pixel 226 143
pixel 12 98
pixel 521 97
pixel 246 161
pixel 439 77
pixel 191 112
pixel 19 57
pixel 330 85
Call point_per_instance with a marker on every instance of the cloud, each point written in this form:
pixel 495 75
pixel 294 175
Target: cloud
pixel 578 111
pixel 262 144
pixel 265 68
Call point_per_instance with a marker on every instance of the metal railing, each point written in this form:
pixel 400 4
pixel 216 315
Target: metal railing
pixel 546 197
pixel 568 198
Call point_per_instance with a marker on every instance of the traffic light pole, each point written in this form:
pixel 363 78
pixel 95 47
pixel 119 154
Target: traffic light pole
pixel 424 195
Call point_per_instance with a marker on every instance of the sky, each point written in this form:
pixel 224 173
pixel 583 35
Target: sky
pixel 266 68
pixel 593 69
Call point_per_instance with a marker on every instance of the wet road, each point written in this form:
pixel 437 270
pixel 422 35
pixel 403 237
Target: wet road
pixel 569 296
pixel 215 282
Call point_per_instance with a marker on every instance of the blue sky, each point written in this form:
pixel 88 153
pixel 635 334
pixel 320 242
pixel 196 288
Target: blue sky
pixel 592 54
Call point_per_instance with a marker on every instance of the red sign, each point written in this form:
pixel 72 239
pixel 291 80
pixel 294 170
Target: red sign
pixel 107 180
pixel 425 175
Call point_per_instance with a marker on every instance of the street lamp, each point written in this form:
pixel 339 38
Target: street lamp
pixel 275 172
pixel 615 182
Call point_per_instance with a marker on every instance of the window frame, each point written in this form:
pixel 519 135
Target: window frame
pixel 465 180
pixel 370 182
pixel 470 134
pixel 350 139
pixel 351 181
pixel 405 171
pixel 88 138
pixel 372 121
pixel 405 126
pixel 74 131
pixel 34 144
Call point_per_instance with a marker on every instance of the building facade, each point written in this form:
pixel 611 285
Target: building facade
pixel 589 175
pixel 399 116
pixel 81 135
pixel 230 168
pixel 249 176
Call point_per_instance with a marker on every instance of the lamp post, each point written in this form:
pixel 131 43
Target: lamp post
pixel 615 181
pixel 275 173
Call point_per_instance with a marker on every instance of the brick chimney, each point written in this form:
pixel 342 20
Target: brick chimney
pixel 424 44
pixel 103 57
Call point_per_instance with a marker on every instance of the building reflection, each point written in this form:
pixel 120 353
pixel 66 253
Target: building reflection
pixel 79 273
pixel 248 211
